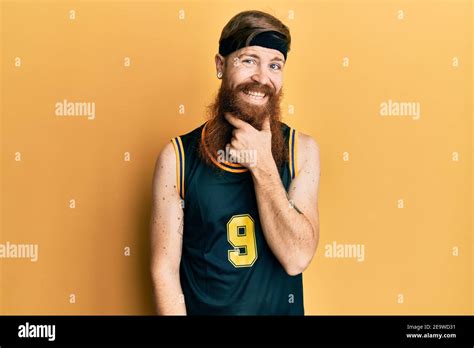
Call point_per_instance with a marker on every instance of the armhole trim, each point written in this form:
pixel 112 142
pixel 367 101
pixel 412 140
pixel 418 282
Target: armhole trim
pixel 293 153
pixel 180 162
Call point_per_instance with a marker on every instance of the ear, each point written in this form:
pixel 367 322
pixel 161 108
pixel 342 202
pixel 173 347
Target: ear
pixel 220 63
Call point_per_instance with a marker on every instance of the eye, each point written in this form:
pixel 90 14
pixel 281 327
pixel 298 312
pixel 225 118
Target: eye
pixel 275 66
pixel 248 60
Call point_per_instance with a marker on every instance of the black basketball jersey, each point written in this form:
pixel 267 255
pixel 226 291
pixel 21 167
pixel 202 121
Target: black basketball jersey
pixel 227 267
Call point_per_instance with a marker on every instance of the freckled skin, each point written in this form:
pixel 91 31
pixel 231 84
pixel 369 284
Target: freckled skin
pixel 285 229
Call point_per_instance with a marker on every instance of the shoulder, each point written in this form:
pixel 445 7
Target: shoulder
pixel 307 142
pixel 308 150
pixel 165 161
pixel 170 163
pixel 167 153
pixel 170 154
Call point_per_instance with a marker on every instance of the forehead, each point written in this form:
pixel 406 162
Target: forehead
pixel 261 52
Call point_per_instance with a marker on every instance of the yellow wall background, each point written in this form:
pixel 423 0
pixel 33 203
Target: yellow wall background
pixel 369 162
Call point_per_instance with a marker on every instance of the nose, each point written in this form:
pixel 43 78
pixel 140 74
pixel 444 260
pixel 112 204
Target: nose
pixel 261 76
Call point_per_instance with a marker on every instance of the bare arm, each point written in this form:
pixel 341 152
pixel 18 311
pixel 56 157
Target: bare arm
pixel 290 222
pixel 290 226
pixel 166 227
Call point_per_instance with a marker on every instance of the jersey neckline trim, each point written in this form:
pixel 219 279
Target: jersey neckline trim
pixel 224 165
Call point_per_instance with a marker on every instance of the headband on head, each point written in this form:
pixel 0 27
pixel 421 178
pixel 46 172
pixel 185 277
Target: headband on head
pixel 268 39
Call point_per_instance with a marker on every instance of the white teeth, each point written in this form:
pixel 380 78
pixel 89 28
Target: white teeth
pixel 256 95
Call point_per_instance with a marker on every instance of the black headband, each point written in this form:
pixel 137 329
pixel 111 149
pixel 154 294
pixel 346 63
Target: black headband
pixel 268 39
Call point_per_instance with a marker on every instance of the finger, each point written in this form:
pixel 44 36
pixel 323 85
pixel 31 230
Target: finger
pixel 235 144
pixel 236 133
pixel 232 153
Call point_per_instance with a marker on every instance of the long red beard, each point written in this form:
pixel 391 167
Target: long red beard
pixel 219 131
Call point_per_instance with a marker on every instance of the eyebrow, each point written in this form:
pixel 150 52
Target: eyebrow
pixel 255 56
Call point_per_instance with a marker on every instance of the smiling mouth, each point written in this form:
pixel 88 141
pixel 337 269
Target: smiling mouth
pixel 255 95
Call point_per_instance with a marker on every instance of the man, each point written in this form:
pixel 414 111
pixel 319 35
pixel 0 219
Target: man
pixel 235 216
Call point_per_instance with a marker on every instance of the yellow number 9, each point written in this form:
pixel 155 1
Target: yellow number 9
pixel 241 235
